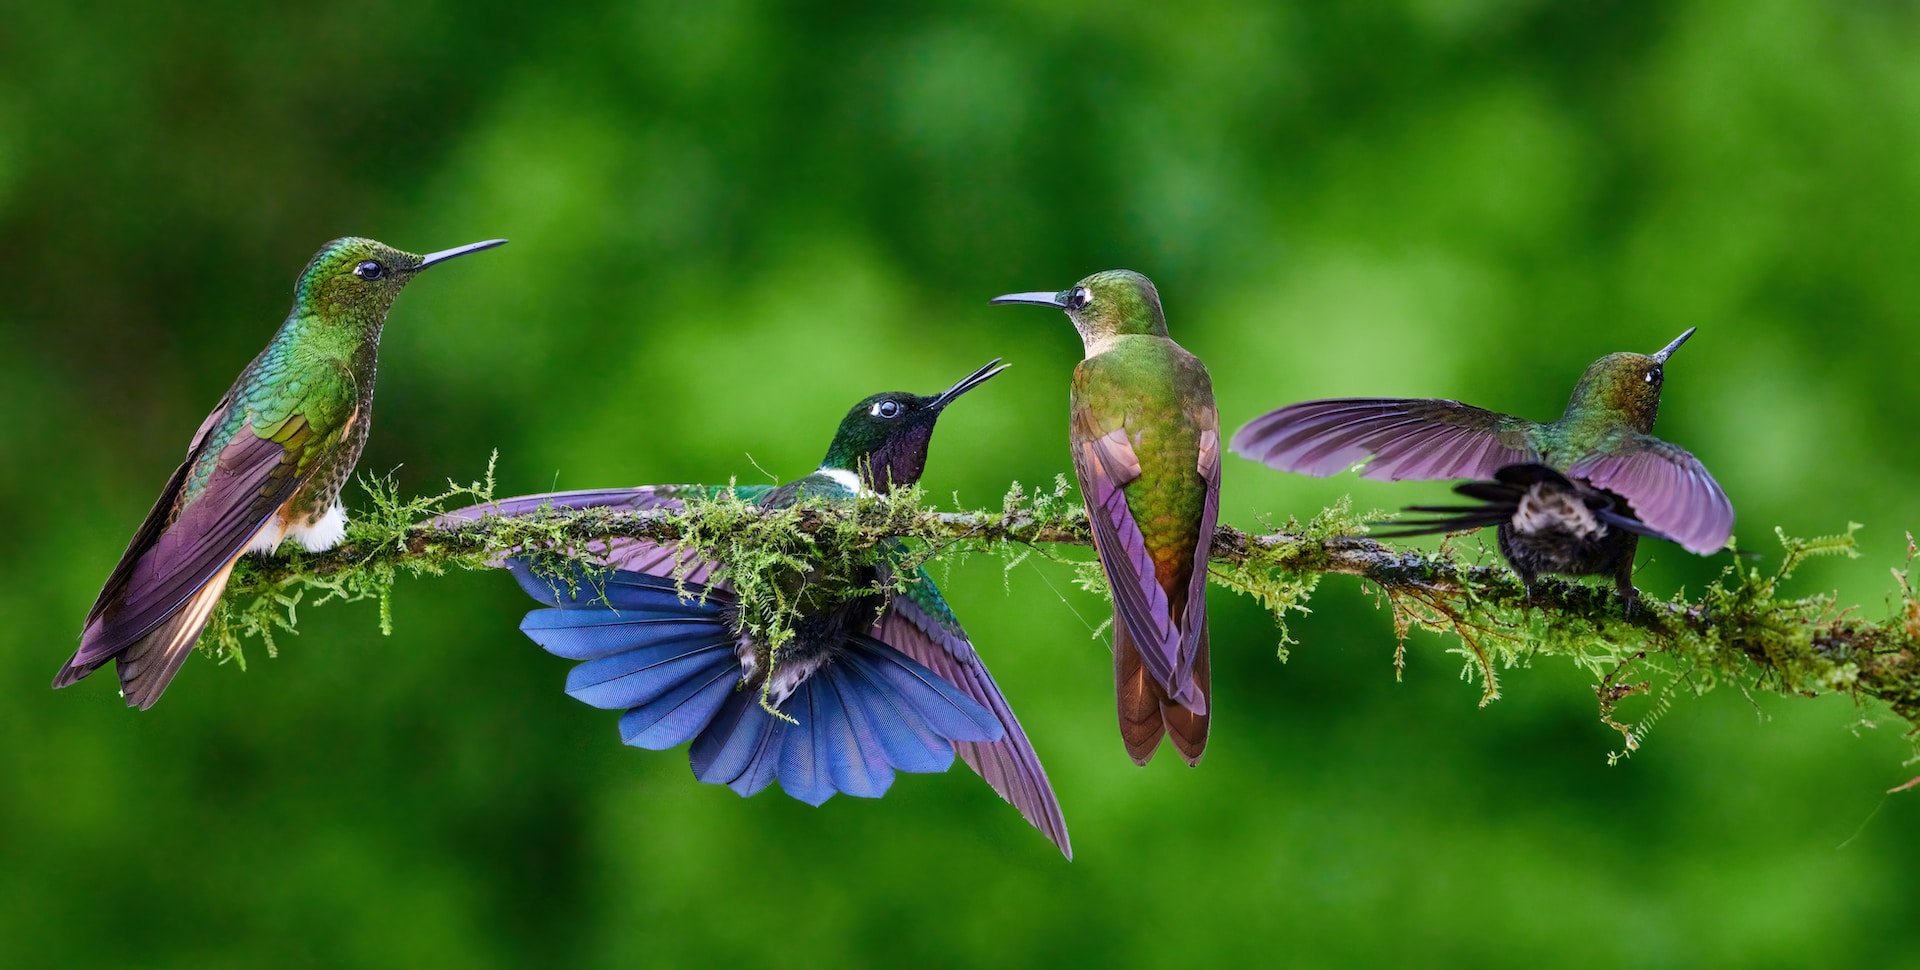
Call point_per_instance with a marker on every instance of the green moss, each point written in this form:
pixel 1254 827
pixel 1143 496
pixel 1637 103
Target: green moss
pixel 261 600
pixel 1743 629
pixel 1282 577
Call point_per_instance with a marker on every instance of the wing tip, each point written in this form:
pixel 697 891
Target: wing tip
pixel 1137 698
pixel 1010 766
pixel 1190 739
pixel 1704 549
pixel 1187 727
pixel 73 672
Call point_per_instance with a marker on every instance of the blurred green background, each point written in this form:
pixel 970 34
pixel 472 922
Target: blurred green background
pixel 730 220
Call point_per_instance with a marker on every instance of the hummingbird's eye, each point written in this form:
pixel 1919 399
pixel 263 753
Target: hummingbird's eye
pixel 1653 375
pixel 886 409
pixel 369 270
pixel 1079 298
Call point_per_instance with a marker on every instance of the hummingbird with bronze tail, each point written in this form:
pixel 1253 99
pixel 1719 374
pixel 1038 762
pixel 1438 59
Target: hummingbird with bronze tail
pixel 870 684
pixel 1145 437
pixel 1571 496
pixel 266 466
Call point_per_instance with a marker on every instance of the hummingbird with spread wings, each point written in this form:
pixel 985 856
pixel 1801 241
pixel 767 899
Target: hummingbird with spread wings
pixel 1571 496
pixel 265 467
pixel 870 683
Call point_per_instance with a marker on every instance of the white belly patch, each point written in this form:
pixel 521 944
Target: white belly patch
pixel 322 533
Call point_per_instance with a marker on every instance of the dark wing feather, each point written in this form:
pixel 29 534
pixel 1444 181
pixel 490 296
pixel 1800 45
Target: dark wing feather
pixel 157 518
pixel 1193 643
pixel 1138 698
pixel 1146 712
pixel 1500 500
pixel 918 624
pixel 1668 488
pixel 253 478
pixel 1186 727
pixel 1106 464
pixel 147 666
pixel 143 539
pixel 1422 439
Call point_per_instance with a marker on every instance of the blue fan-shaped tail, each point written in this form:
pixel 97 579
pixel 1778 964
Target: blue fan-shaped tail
pixel 668 662
pixel 666 656
pixel 868 712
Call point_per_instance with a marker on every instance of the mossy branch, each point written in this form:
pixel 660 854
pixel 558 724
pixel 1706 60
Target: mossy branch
pixel 1741 629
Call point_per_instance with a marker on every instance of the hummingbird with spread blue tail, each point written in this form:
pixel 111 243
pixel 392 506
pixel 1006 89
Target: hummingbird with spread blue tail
pixel 1145 437
pixel 871 683
pixel 265 467
pixel 1571 496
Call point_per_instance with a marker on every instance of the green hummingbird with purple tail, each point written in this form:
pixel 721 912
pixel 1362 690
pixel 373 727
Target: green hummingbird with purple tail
pixel 1146 448
pixel 1571 496
pixel 266 466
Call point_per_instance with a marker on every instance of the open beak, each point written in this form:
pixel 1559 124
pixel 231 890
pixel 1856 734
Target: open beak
pixel 1036 298
pixel 446 254
pixel 1668 350
pixel 969 382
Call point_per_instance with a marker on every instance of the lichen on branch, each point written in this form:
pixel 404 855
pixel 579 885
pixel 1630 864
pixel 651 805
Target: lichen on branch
pixel 1743 629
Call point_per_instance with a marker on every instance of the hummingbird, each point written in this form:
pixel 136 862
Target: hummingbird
pixel 266 466
pixel 1146 447
pixel 869 684
pixel 1571 496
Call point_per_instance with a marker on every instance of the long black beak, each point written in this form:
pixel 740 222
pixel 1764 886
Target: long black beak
pixel 969 382
pixel 446 254
pixel 1036 298
pixel 1668 350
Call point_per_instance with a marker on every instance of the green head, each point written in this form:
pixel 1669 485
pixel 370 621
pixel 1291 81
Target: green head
pixel 1106 304
pixel 355 279
pixel 1626 385
pixel 885 437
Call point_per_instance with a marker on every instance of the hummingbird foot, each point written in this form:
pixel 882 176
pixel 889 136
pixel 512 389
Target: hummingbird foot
pixel 1528 578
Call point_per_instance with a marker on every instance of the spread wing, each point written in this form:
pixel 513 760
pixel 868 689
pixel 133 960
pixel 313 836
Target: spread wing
pixel 1668 488
pixel 631 554
pixel 1420 439
pixel 919 624
pixel 187 542
pixel 635 499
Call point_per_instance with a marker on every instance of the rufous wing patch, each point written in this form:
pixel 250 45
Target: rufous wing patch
pixel 1114 458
